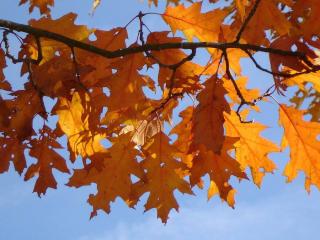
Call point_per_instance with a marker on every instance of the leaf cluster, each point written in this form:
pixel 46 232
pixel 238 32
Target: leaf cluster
pixel 117 115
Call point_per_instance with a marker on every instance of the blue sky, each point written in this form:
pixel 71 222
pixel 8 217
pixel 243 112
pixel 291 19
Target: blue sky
pixel 276 211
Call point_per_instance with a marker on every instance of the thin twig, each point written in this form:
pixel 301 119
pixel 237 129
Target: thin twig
pixel 280 74
pixel 238 91
pixel 75 64
pixel 150 55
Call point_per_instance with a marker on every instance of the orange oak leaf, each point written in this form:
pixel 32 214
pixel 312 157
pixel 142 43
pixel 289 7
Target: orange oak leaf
pixel 4 84
pixel 208 116
pixel 241 6
pixel 4 115
pixel 250 94
pixel 129 82
pixel 64 26
pixel 25 105
pixel 43 5
pixel 57 76
pixel 60 83
pixel 251 150
pixel 74 122
pixel 164 174
pixel 193 23
pixel 183 130
pixel 302 80
pixel 101 68
pixel 267 16
pixel 113 178
pixel 142 130
pixel 220 167
pixel 47 159
pixel 12 150
pixel 290 64
pixel 302 138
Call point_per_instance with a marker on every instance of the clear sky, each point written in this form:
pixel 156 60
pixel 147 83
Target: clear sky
pixel 276 211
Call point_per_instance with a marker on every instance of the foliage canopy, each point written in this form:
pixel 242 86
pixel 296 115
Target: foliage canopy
pixel 116 114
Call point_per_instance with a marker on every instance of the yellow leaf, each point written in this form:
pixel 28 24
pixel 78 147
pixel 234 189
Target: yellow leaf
pixel 302 138
pixel 193 23
pixel 95 4
pixel 300 80
pixel 251 150
pixel 74 122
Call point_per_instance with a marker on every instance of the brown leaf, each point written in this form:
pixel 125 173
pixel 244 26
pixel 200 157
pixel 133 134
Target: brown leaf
pixel 208 116
pixel 47 159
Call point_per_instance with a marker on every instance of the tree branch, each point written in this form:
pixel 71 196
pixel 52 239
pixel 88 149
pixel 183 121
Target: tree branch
pixel 243 101
pixel 40 33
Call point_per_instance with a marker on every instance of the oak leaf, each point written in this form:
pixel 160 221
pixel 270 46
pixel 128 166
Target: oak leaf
pixel 43 5
pixel 25 105
pixel 12 150
pixel 64 25
pixel 220 167
pixel 4 84
pixel 193 23
pixel 267 16
pixel 163 177
pixel 305 13
pixel 47 159
pixel 302 138
pixel 113 177
pixel 183 130
pixel 208 116
pixel 251 150
pixel 74 122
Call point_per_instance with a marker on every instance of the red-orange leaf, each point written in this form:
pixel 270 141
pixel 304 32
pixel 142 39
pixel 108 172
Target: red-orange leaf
pixel 12 150
pixel 43 5
pixel 5 85
pixel 208 116
pixel 47 159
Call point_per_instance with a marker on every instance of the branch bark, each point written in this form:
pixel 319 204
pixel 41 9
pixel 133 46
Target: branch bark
pixel 40 33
